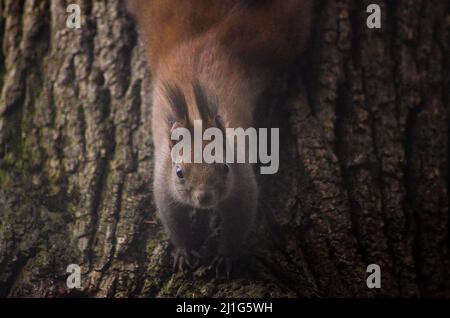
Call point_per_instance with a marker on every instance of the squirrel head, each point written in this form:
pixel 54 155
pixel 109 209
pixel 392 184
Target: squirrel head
pixel 200 185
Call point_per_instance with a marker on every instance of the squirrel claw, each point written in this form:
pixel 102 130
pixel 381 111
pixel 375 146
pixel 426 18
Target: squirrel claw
pixel 222 261
pixel 183 257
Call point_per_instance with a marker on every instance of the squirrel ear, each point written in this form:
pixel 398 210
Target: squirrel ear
pixel 206 104
pixel 175 125
pixel 219 123
pixel 177 102
pixel 202 102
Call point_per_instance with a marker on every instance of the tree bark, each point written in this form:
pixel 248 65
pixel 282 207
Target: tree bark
pixel 363 176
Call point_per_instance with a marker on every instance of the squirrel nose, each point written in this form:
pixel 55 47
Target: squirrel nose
pixel 203 198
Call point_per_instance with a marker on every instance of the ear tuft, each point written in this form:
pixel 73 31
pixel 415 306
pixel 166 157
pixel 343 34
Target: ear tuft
pixel 175 125
pixel 219 123
pixel 177 102
pixel 204 104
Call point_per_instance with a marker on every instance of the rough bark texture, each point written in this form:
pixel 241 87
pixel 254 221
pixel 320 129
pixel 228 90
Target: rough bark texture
pixel 363 176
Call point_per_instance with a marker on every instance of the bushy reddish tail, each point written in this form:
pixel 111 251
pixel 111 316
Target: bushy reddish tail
pixel 166 23
pixel 272 32
pixel 258 31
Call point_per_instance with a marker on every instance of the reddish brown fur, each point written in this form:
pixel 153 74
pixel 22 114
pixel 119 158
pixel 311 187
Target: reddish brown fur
pixel 229 48
pixel 276 30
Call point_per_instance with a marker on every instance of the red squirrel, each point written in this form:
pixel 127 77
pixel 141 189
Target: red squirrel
pixel 210 61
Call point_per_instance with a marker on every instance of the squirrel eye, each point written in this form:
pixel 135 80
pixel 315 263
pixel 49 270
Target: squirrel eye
pixel 179 173
pixel 226 168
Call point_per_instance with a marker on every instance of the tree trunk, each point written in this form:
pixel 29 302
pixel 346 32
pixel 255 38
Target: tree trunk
pixel 363 170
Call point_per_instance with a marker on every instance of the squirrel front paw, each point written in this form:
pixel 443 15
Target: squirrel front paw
pixel 184 258
pixel 222 263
